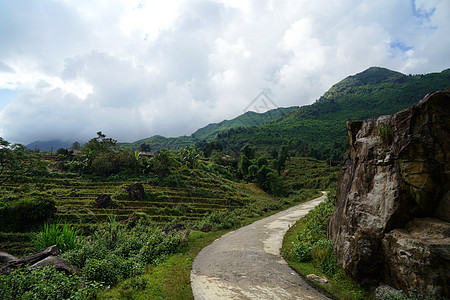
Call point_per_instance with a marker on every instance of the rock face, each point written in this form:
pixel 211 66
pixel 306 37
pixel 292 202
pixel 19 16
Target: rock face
pixel 397 173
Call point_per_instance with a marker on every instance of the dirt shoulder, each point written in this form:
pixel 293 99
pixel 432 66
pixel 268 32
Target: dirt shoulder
pixel 246 263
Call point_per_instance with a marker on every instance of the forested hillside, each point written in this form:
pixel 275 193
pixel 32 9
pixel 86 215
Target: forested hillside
pixel 209 132
pixel 318 129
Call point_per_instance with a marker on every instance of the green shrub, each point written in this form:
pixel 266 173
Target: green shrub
pixel 63 236
pixel 316 221
pixel 221 219
pixel 323 256
pixel 158 246
pixel 21 214
pixel 313 244
pixel 118 251
pixel 303 251
pixel 45 283
pixel 385 133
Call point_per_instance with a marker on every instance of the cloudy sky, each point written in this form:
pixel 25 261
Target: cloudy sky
pixel 133 69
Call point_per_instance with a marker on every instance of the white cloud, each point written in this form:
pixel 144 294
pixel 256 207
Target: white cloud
pixel 133 69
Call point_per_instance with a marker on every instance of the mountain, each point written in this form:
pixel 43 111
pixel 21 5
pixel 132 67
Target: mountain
pixel 48 146
pixel 319 129
pixel 210 131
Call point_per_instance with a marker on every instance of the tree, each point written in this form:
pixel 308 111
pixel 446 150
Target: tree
pixel 76 146
pixel 144 147
pixel 100 144
pixel 249 151
pixel 96 147
pixel 280 162
pixel 16 162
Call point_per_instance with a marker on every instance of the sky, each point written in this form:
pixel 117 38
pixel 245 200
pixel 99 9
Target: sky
pixel 134 69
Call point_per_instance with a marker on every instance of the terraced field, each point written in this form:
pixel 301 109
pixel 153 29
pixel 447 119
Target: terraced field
pixel 176 199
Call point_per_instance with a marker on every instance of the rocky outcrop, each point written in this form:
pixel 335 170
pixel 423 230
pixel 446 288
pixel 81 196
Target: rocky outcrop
pixel 43 258
pixel 397 172
pixel 419 254
pixel 6 258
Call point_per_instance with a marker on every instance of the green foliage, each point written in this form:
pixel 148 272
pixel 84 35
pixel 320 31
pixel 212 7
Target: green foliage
pixel 221 219
pixel 385 133
pixel 312 244
pixel 249 151
pixel 16 163
pixel 189 156
pixel 120 251
pixel 303 251
pixel 163 162
pixel 21 214
pixel 316 222
pixel 123 162
pixel 45 283
pixel 64 236
pixel 204 135
pixel 99 145
pixel 318 130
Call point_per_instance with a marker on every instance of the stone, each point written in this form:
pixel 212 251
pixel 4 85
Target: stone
pixel 6 258
pixel 176 227
pixel 319 279
pixel 397 170
pixel 59 263
pixel 384 292
pixel 417 258
pixel 206 228
pixel 136 191
pixel 29 260
pixel 105 201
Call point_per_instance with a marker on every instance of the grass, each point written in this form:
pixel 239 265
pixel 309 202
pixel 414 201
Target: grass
pixel 191 197
pixel 171 278
pixel 168 280
pixel 340 287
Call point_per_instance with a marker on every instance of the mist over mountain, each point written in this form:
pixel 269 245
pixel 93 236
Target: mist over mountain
pixel 314 130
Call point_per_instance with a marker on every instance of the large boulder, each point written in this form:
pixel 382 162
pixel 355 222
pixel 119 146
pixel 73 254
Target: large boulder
pixel 105 201
pixel 418 257
pixel 136 191
pixel 6 258
pixel 29 260
pixel 397 170
pixel 59 263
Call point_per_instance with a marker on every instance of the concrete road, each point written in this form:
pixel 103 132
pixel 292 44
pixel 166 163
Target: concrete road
pixel 246 263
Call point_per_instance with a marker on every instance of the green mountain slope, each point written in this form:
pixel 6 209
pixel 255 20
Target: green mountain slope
pixel 210 131
pixel 319 129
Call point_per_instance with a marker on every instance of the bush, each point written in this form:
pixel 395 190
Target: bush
pixel 313 244
pixel 119 251
pixel 221 219
pixel 303 251
pixel 20 214
pixel 45 283
pixel 64 237
pixel 323 256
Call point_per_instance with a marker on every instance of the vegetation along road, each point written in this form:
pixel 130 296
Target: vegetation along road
pixel 246 263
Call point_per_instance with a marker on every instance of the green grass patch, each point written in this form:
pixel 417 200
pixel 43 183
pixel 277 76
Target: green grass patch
pixel 307 251
pixel 168 280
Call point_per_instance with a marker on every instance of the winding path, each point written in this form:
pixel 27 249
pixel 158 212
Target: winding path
pixel 246 263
